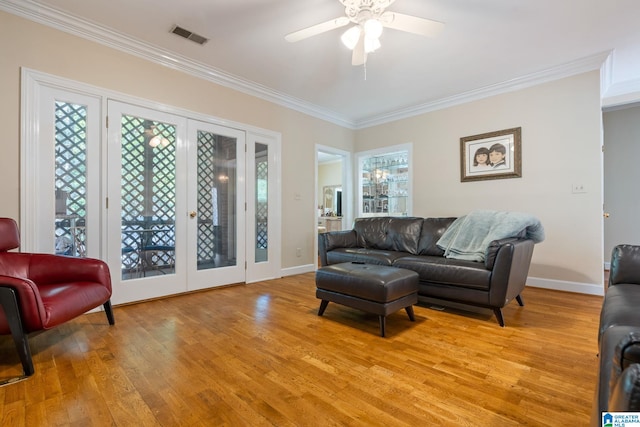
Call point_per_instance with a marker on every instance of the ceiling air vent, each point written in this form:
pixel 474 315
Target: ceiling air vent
pixel 189 35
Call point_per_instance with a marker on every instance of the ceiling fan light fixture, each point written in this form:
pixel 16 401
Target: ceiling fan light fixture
pixel 350 37
pixel 373 28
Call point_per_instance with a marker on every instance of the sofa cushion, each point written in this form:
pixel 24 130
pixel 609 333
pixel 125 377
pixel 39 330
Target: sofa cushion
pixel 389 233
pixel 447 271
pixel 432 230
pixel 368 256
pixel 620 307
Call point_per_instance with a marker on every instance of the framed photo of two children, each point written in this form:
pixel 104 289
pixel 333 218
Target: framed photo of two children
pixel 493 155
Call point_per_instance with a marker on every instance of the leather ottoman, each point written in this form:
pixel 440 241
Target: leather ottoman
pixel 375 289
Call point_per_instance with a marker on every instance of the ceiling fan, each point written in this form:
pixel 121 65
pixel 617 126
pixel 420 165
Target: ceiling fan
pixel 370 18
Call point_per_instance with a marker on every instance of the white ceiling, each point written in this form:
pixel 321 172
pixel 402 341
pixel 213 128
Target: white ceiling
pixel 485 45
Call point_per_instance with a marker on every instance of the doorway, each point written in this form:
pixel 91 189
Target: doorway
pixel 334 189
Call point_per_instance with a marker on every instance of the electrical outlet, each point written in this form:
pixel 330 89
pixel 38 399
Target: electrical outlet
pixel 578 188
pixel 298 252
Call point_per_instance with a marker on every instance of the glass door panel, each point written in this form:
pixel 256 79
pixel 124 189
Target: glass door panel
pixel 70 126
pixel 261 165
pixel 216 196
pixel 148 208
pixel 216 215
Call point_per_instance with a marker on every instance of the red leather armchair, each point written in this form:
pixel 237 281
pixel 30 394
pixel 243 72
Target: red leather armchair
pixel 41 291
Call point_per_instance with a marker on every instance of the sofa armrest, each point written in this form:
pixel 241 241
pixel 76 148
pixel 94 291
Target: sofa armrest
pixel 624 382
pixel 32 306
pixel 333 240
pixel 510 271
pixel 625 395
pixel 492 250
pixel 625 265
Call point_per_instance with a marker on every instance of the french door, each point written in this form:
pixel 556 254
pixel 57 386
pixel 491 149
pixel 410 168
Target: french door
pixel 177 203
pixel 170 200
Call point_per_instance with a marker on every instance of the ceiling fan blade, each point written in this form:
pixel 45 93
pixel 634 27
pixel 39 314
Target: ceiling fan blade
pixel 359 56
pixel 316 29
pixel 411 24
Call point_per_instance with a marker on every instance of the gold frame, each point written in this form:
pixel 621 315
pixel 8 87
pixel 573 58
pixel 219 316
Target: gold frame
pixel 510 167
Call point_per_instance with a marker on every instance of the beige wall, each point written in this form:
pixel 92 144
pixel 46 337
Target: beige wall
pixel 561 131
pixel 26 44
pixel 561 145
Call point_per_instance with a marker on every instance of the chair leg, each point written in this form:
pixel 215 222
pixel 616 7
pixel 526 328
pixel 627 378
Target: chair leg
pixel 323 307
pixel 498 314
pixel 410 313
pixel 519 299
pixel 109 311
pixel 9 304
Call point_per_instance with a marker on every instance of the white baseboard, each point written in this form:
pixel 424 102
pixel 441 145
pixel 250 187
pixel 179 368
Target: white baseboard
pixel 300 269
pixel 561 285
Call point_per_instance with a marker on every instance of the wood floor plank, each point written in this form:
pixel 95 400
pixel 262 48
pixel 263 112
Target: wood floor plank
pixel 260 355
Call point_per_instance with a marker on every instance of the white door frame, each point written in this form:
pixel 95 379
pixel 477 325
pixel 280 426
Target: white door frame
pixel 348 203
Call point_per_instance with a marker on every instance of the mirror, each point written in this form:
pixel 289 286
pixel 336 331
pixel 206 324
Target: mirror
pixel 329 198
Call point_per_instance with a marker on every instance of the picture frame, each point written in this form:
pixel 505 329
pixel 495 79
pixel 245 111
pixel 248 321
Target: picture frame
pixel 492 155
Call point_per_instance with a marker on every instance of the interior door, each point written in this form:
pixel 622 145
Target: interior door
pixel 216 191
pixel 146 215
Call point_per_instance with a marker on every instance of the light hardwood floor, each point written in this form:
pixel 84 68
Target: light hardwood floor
pixel 254 355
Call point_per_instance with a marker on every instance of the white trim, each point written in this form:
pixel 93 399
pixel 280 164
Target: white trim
pixel 621 94
pixel 301 269
pixel 73 25
pixel 561 285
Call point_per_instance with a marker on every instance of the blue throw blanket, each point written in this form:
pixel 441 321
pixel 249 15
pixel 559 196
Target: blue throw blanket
pixel 469 236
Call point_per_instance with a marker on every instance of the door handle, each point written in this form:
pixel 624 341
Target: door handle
pixel 606 214
pixel 192 214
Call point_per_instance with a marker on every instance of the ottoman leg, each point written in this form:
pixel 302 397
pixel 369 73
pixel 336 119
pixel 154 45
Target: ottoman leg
pixel 410 313
pixel 382 323
pixel 323 307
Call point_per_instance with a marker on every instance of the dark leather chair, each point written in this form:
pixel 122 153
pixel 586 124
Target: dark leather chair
pixel 41 291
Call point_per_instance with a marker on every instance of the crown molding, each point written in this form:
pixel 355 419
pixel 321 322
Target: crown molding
pixel 621 95
pixel 91 31
pixel 589 63
pixel 105 36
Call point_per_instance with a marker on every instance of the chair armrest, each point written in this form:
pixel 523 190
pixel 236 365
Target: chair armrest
pixel 333 240
pixel 625 265
pixel 32 309
pixel 51 269
pixel 510 271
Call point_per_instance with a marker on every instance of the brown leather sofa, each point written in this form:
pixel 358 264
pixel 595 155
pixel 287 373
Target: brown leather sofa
pixel 618 385
pixel 410 243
